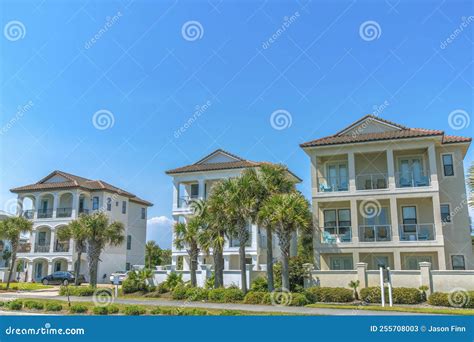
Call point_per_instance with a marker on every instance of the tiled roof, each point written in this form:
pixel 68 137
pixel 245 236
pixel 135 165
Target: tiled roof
pixel 77 182
pixel 401 133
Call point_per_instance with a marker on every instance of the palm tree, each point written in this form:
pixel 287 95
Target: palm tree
pixel 286 213
pixel 187 235
pixel 152 254
pixel 11 230
pixel 76 230
pixel 100 233
pixel 273 179
pixel 354 284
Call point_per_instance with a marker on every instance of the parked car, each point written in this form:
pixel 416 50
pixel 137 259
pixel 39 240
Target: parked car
pixel 122 275
pixel 62 278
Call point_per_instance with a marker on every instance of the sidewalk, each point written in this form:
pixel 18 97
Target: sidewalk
pixel 222 306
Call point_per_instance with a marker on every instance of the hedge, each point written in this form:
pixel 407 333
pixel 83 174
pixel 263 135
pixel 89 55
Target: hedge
pixel 33 305
pixel 15 305
pixel 133 310
pixel 254 297
pixel 459 299
pixel 196 294
pixel 77 291
pixel 78 309
pixel 329 295
pixel 298 299
pixel 53 307
pixel 100 310
pixel 401 295
pixel 179 292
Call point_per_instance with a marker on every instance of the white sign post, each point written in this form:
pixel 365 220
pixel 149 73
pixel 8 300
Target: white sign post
pixel 385 278
pixel 116 283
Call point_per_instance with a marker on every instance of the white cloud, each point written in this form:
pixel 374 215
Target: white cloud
pixel 159 229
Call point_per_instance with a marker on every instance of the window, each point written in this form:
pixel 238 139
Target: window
pixel 143 213
pixel 129 242
pixel 338 223
pixel 95 203
pixel 341 263
pixel 109 204
pixel 409 215
pixel 235 242
pixel 458 262
pixel 127 266
pixel 124 207
pixel 337 177
pixel 448 165
pixel 412 262
pixel 445 213
pixel 194 191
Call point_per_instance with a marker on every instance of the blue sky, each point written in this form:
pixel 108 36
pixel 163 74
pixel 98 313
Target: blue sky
pixel 243 60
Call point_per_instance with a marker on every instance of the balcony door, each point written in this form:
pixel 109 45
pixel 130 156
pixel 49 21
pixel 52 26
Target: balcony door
pixel 410 221
pixel 411 170
pixel 41 238
pixel 337 222
pixel 337 176
pixel 194 191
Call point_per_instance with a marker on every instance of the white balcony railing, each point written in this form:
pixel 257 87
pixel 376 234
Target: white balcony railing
pixel 336 235
pixel 375 233
pixel 372 181
pixel 333 184
pixel 412 179
pixel 417 232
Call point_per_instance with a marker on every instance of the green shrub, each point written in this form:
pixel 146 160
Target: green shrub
pixel 217 295
pixel 2 304
pixel 230 313
pixel 298 299
pixel 329 295
pixel 156 311
pixel 113 309
pixel 53 307
pixel 77 291
pixel 166 311
pixel 33 305
pixel 267 299
pixel 100 310
pixel 78 309
pixel 196 294
pixel 438 299
pixel 260 284
pixel 162 288
pixel 179 292
pixel 210 282
pixel 15 305
pixel 133 310
pixel 189 312
pixel 174 279
pixel 233 295
pixel 401 295
pixel 254 297
pixel 297 273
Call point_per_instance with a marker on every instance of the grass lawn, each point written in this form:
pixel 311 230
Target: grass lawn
pixel 425 310
pixel 145 309
pixel 24 286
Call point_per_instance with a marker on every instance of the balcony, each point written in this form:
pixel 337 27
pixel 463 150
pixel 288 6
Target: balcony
pixel 61 247
pixel 417 232
pixel 372 181
pixel 337 235
pixel 63 212
pixel 45 213
pixel 184 202
pixel 375 233
pixel 333 184
pixel 42 248
pixel 412 179
pixel 28 214
pixel 24 248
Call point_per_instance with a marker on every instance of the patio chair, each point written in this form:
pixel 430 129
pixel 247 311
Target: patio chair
pixel 381 183
pixel 328 238
pixel 324 187
pixel 423 181
pixel 405 182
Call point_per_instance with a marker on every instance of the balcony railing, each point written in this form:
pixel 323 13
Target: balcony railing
pixel 375 233
pixel 42 248
pixel 372 181
pixel 61 247
pixel 28 214
pixel 332 184
pixel 24 248
pixel 417 232
pixel 185 201
pixel 337 235
pixel 45 213
pixel 63 212
pixel 412 179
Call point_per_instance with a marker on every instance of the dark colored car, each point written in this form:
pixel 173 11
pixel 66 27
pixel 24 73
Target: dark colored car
pixel 62 278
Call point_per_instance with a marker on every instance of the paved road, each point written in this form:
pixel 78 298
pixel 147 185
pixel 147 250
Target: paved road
pixel 243 307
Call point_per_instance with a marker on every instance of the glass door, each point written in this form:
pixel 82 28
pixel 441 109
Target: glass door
pixel 410 221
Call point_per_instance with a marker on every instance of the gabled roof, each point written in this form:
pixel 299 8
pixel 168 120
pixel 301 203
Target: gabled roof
pixel 393 131
pixel 73 182
pixel 234 162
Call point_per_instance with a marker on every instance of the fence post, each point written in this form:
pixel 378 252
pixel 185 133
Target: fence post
pixel 425 276
pixel 362 274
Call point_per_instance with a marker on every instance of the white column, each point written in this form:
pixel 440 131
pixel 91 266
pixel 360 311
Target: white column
pixel 50 268
pixel 175 194
pixel 397 260
pixel 201 189
pixel 52 240
pixel 30 271
pixel 394 219
pixel 352 172
pixel 33 240
pixel 314 175
pixel 55 203
pixel 75 205
pixel 316 236
pixel 226 262
pixel 433 166
pixel 391 169
pixel 255 262
pixel 438 225
pixel 37 205
pixel 354 220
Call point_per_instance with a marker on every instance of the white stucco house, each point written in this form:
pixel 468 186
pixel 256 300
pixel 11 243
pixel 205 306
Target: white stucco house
pixel 60 197
pixel 387 194
pixel 194 182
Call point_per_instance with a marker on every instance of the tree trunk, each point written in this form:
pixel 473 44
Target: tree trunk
pixel 218 269
pixel 12 266
pixel 93 256
pixel 285 239
pixel 243 267
pixel 270 260
pixel 193 256
pixel 77 268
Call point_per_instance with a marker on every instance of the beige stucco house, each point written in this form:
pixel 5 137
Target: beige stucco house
pixel 386 194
